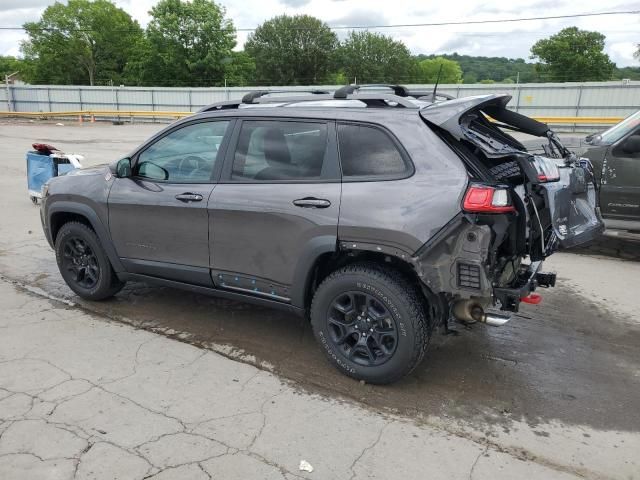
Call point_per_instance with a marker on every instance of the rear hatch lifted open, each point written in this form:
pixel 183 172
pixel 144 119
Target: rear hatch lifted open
pixel 557 189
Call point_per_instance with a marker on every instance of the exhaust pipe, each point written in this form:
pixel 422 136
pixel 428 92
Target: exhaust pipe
pixel 495 319
pixel 472 311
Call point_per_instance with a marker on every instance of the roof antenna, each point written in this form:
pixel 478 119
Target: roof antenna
pixel 435 87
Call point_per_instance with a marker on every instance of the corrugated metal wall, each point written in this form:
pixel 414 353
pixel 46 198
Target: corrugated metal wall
pixel 601 99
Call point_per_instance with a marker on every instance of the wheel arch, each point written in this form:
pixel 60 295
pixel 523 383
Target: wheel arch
pixel 62 212
pixel 317 251
pixel 329 260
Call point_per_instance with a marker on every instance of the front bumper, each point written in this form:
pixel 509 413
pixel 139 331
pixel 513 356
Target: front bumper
pixel 509 298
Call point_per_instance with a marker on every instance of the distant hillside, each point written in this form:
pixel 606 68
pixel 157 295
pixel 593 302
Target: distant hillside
pixel 502 69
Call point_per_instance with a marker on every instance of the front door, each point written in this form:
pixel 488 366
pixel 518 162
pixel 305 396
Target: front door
pixel 620 189
pixel 277 201
pixel 158 218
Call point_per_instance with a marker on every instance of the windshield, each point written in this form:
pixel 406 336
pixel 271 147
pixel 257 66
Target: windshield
pixel 619 130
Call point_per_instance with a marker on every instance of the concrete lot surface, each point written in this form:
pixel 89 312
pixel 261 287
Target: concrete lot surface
pixel 166 384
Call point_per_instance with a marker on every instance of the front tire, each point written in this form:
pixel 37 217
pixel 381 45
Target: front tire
pixel 370 321
pixel 83 263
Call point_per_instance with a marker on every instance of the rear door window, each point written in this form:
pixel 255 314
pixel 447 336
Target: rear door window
pixel 269 151
pixel 367 151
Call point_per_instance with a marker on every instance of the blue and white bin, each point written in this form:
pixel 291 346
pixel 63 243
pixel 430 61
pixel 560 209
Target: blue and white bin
pixel 45 164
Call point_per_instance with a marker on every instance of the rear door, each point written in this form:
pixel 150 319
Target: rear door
pixel 158 218
pixel 276 204
pixel 376 203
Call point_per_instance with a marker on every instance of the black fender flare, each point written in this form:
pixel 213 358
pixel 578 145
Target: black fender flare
pixel 102 232
pixel 303 272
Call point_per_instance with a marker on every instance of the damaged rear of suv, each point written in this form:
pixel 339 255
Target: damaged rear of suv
pixel 379 222
pixel 517 210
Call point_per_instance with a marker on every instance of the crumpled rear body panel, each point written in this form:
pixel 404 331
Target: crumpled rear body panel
pixel 572 201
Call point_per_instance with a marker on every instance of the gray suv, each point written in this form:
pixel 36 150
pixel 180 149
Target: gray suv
pixel 381 216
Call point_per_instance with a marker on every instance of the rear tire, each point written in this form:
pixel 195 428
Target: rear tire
pixel 83 263
pixel 370 321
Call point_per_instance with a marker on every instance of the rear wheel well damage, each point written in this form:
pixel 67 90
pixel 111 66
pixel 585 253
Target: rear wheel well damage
pixel 329 262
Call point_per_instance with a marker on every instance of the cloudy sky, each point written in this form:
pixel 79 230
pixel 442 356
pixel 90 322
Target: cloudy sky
pixel 508 39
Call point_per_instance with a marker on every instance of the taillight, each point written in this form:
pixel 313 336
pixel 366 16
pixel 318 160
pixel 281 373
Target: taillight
pixel 546 168
pixel 484 199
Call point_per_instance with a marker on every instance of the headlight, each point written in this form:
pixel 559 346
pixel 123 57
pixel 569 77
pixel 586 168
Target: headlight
pixel 45 190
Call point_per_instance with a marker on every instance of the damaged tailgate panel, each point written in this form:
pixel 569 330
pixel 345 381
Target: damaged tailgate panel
pixel 571 200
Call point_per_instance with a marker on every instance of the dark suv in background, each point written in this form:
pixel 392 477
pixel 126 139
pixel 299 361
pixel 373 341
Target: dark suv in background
pixel 615 155
pixel 381 216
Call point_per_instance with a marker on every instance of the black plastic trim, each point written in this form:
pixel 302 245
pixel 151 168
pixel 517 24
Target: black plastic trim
pixel 441 234
pixel 214 292
pixel 177 272
pixel 303 273
pixel 62 206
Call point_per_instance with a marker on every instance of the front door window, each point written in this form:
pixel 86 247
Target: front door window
pixel 186 155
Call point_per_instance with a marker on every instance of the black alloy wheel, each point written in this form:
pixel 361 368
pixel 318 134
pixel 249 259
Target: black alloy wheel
pixel 371 322
pixel 81 261
pixel 362 328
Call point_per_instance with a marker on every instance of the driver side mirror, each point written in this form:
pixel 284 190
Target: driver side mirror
pixel 593 138
pixel 123 168
pixel 632 144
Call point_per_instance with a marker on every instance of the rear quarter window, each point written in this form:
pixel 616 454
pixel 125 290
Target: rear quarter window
pixel 370 152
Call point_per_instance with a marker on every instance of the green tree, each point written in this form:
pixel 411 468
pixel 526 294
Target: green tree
pixel 428 71
pixel 470 77
pixel 186 44
pixel 494 68
pixel 240 69
pixel 83 42
pixel 632 73
pixel 292 50
pixel 9 65
pixel 573 55
pixel 375 58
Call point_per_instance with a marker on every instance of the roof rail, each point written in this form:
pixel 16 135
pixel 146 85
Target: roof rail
pixel 370 99
pixel 251 96
pixel 373 100
pixel 398 90
pixel 229 104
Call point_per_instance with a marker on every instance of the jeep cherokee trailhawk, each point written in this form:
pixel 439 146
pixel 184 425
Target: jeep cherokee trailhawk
pixel 380 220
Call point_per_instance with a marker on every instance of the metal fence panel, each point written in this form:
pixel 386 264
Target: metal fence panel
pixel 592 99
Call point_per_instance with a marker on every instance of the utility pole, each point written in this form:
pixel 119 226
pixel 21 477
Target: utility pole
pixel 6 81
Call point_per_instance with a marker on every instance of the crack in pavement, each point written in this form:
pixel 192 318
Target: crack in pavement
pixel 186 427
pixel 92 439
pixel 366 449
pixel 475 462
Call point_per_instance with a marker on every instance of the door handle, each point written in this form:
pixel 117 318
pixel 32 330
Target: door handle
pixel 189 197
pixel 312 202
